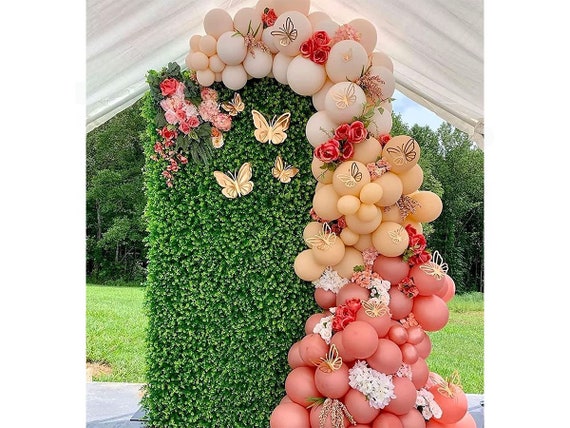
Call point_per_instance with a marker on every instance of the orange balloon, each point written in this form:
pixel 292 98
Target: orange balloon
pixel 402 152
pixel 349 237
pixel 289 415
pixel 352 258
pixel 390 239
pixel 453 406
pixel 350 177
pixel 430 206
pixel 322 175
pixel 300 385
pixel 325 203
pixel 364 242
pixel 392 188
pixel 306 267
pixel 412 179
pixel 329 255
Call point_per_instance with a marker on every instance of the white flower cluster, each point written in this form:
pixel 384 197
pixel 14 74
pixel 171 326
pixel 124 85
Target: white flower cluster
pixel 429 406
pixel 379 289
pixel 377 387
pixel 405 370
pixel 324 328
pixel 330 280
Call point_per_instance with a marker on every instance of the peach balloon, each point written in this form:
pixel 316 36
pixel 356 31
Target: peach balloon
pixel 379 58
pixel 207 45
pixel 195 43
pixel 418 226
pixel 325 203
pixel 267 38
pixel 392 186
pixel 199 61
pixel 218 77
pixel 392 269
pixel 346 61
pixel 318 16
pixel 328 26
pixel 205 77
pixel 319 97
pixel 312 321
pixel 322 175
pixel 371 193
pixel 387 420
pixel 311 348
pixel 348 204
pixel 380 123
pixel 294 358
pixel 430 206
pixel 305 77
pixel 257 63
pixel 412 179
pixel 400 305
pixel 389 83
pixel 413 419
pixel 216 64
pixel 405 393
pixel 420 373
pixel 319 128
pixel 217 22
pixel 402 152
pixel 248 21
pixel 409 353
pixel 367 31
pixel 392 213
pixel 390 239
pixel 424 347
pixel 306 267
pixel 311 229
pixel 234 77
pixel 289 415
pixel 346 356
pixel 364 242
pixel 325 298
pixel 357 405
pixel 282 6
pixel 314 417
pixel 280 65
pixel 332 384
pixel 329 255
pixel 398 334
pixel 350 177
pixel 368 212
pixel 344 101
pixel 284 38
pixel 360 339
pixel 453 405
pixel 351 291
pixel 431 312
pixel 363 227
pixel 352 258
pixel 231 48
pixel 387 358
pixel 380 323
pixel 367 151
pixel 349 237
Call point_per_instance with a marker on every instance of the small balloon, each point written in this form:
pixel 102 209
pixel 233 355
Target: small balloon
pixel 217 22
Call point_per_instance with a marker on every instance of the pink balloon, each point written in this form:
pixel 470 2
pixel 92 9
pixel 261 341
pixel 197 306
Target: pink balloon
pixel 392 269
pixel 409 353
pixel 289 415
pixel 413 419
pixel 294 357
pixel 453 407
pixel 420 373
pixel 332 384
pixel 358 406
pixel 381 324
pixel 351 291
pixel 360 339
pixel 424 347
pixel 415 335
pixel 300 385
pixel 426 284
pixel 312 321
pixel 405 393
pixel 431 312
pixel 286 399
pixel 325 298
pixel 387 358
pixel 450 289
pixel 400 305
pixel 387 420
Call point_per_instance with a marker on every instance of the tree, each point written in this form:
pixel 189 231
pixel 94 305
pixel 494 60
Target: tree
pixel 115 198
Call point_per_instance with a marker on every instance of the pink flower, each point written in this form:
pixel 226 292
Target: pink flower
pixel 171 117
pixel 168 144
pixel 347 151
pixel 190 109
pixel 183 159
pixel 173 166
pixel 208 109
pixel 320 56
pixel 166 174
pixel 181 114
pixel 168 86
pixel 321 38
pixel 341 133
pixel 208 94
pixel 357 132
pixel 222 121
pixel 184 127
pixel 307 48
pixel 158 147
pixel 193 121
pixel 168 134
pixel 179 93
pixel 328 152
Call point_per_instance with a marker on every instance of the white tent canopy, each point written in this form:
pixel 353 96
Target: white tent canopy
pixel 436 47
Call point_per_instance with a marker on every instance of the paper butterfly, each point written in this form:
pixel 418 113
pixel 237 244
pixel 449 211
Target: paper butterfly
pixel 332 362
pixel 450 387
pixel 345 98
pixel 403 154
pixel 435 267
pixel 287 33
pixel 235 106
pixel 233 187
pixel 373 308
pixel 283 173
pixel 273 132
pixel 354 177
pixel 395 235
pixel 323 240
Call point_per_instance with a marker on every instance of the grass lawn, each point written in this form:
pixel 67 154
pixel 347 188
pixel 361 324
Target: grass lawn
pixel 116 337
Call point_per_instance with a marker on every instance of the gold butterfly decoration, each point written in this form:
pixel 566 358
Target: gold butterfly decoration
pixel 287 32
pixel 322 240
pixel 347 56
pixel 273 131
pixel 374 308
pixel 450 386
pixel 396 235
pixel 332 362
pixel 435 267
pixel 351 179
pixel 283 173
pixel 234 185
pixel 406 153
pixel 346 98
pixel 234 106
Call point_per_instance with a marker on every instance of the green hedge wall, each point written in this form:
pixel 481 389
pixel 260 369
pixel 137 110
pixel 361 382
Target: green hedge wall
pixel 223 301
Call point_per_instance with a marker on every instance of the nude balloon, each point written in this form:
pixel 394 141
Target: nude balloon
pixel 217 22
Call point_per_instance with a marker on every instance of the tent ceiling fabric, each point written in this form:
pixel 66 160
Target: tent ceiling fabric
pixel 436 47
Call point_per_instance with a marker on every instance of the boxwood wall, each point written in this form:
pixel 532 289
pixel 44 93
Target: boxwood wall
pixel 223 301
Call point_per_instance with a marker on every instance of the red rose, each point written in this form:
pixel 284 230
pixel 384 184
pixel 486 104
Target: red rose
pixel 167 134
pixel 168 86
pixel 320 56
pixel 417 242
pixel 420 258
pixel 307 48
pixel 385 138
pixel 347 151
pixel 354 305
pixel 411 230
pixel 341 133
pixel 342 317
pixel 357 132
pixel 269 17
pixel 328 152
pixel 321 38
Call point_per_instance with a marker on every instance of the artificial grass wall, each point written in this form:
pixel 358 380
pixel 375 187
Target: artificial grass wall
pixel 223 301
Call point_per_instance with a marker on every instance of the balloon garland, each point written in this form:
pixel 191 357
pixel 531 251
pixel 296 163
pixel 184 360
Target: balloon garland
pixel 363 357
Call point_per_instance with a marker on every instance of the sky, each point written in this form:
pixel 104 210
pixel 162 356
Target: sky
pixel 413 113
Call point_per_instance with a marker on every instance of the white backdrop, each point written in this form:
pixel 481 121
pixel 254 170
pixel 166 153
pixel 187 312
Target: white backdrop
pixel 436 47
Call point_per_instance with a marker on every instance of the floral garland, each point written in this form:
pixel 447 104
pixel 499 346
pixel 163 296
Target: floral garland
pixel 317 47
pixel 417 252
pixel 340 147
pixel 377 387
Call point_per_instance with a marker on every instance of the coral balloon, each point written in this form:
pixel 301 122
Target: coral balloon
pixel 450 289
pixel 360 339
pixel 430 206
pixel 387 358
pixel 409 353
pixel 348 204
pixel 392 269
pixel 231 48
pixel 300 385
pixel 350 177
pixel 322 175
pixel 357 405
pixel 311 348
pixel 402 153
pixel 305 77
pixel 398 334
pixel 280 65
pixel 431 312
pixel 319 128
pixel 325 203
pixel 351 291
pixel 466 421
pixel 289 415
pixel 415 335
pixel 286 399
pixel 413 419
pixel 352 258
pixel 420 373
pixel 387 420
pixel 390 239
pixel 325 298
pixel 424 347
pixel 405 393
pixel 306 267
pixel 380 323
pixel 346 61
pixel 294 357
pixel 344 101
pixel 428 278
pixel 217 22
pixel 332 383
pixel 312 321
pixel 412 179
pixel 400 305
pixel 392 186
pixel 367 151
pixel 346 356
pixel 452 400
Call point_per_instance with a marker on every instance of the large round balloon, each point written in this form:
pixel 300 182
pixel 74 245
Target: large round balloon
pixel 387 358
pixel 431 312
pixel 304 76
pixel 319 128
pixel 332 383
pixel 300 385
pixel 306 267
pixel 390 239
pixel 346 61
pixel 402 153
pixel 350 177
pixel 392 269
pixel 217 22
pixel 405 393
pixel 358 406
pixel 344 101
pixel 258 63
pixel 289 415
pixel 290 30
pixel 231 48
